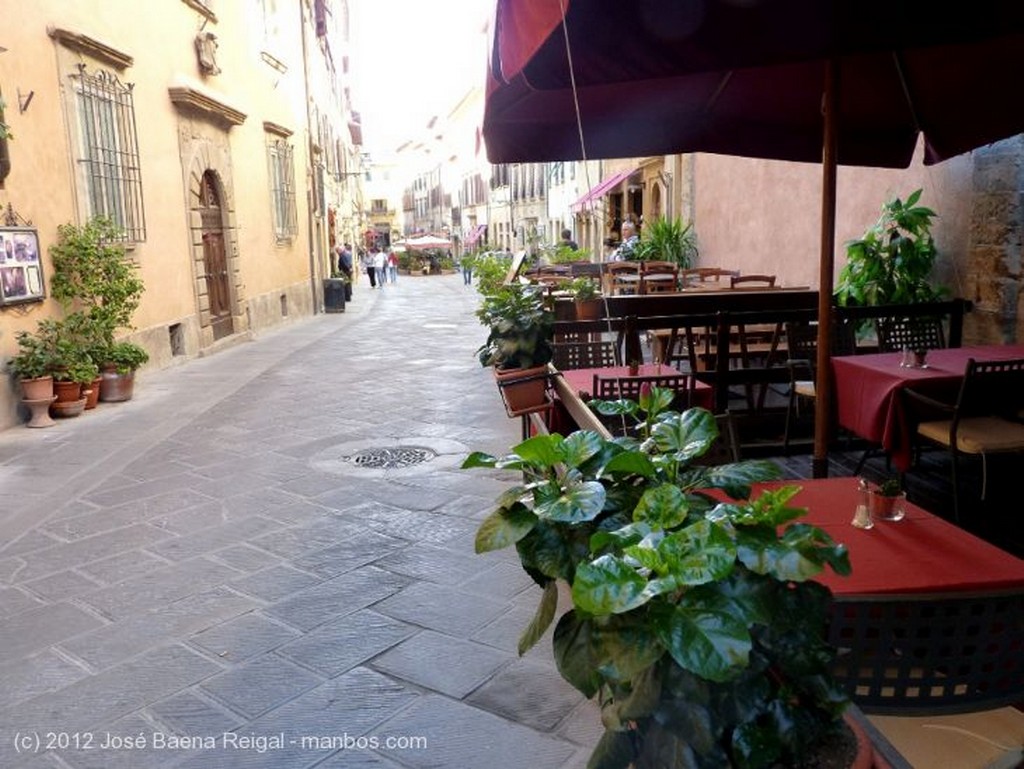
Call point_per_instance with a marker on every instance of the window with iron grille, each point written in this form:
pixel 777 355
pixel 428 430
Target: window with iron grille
pixel 109 160
pixel 282 189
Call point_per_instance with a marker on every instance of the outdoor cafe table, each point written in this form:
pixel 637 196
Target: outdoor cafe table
pixel 920 554
pixel 867 391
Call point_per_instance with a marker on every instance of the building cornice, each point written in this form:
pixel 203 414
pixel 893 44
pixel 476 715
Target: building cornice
pixel 189 99
pixel 92 47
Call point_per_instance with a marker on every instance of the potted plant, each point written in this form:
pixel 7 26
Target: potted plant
pixel 695 622
pixel 892 262
pixel 668 240
pixel 887 500
pixel 33 366
pixel 121 360
pixel 518 344
pixel 586 293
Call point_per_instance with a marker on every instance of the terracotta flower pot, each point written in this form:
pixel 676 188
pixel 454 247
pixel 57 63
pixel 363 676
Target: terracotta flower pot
pixel 588 309
pixel 92 393
pixel 67 392
pixel 116 387
pixel 524 390
pixel 37 389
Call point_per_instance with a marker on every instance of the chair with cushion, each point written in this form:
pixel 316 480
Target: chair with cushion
pixel 574 355
pixel 896 334
pixel 984 420
pixel 659 277
pixel 802 361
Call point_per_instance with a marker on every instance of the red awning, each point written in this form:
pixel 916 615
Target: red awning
pixel 474 235
pixel 602 189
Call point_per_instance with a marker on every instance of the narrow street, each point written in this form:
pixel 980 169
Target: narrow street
pixel 265 559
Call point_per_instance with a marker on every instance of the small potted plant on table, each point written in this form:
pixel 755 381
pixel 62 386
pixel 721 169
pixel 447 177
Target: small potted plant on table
pixel 887 501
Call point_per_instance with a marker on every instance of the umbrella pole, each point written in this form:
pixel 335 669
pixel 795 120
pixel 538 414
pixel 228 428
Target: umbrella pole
pixel 823 385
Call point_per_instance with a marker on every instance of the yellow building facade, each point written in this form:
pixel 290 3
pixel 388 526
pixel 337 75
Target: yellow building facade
pixel 217 135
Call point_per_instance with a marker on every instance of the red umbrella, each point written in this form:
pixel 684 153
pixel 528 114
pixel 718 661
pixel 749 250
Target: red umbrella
pixel 839 81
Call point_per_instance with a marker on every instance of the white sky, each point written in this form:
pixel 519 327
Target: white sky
pixel 411 60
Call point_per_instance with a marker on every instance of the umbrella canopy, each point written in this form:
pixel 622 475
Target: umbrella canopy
pixel 425 243
pixel 747 78
pixel 833 81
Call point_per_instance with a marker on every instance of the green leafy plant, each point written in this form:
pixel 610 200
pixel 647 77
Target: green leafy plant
pixel 583 289
pixel 70 347
pixel 125 356
pixel 520 327
pixel 892 262
pixel 890 487
pixel 92 274
pixel 668 240
pixel 491 269
pixel 35 357
pixel 695 620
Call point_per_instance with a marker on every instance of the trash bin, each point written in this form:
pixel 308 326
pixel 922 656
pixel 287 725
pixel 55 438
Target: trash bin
pixel 334 295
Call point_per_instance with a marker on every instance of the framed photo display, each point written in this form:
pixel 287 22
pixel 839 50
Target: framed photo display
pixel 21 270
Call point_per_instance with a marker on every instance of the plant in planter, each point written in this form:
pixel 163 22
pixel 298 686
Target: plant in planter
pixel 668 240
pixel 586 292
pixel 121 360
pixel 518 344
pixel 695 622
pixel 892 262
pixel 887 501
pixel 33 365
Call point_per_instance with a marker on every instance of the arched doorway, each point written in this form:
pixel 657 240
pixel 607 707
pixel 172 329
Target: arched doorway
pixel 215 261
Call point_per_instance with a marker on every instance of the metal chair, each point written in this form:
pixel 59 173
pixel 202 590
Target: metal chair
pixel 896 334
pixel 985 419
pixel 574 355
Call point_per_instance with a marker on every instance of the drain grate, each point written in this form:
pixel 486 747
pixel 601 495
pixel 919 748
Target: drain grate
pixel 391 458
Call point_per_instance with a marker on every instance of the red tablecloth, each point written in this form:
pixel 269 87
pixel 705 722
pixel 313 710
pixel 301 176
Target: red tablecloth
pixel 921 553
pixel 867 390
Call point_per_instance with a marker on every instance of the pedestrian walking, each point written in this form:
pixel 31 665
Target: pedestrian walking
pixel 392 267
pixel 380 263
pixel 467 269
pixel 368 262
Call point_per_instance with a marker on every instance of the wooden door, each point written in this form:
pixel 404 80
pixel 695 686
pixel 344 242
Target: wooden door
pixel 215 261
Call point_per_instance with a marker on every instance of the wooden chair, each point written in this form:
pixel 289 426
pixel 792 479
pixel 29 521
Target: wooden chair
pixel 985 419
pixel 697 275
pixel 574 355
pixel 752 281
pixel 615 387
pixel 659 277
pixel 896 334
pixel 624 277
pixel 802 361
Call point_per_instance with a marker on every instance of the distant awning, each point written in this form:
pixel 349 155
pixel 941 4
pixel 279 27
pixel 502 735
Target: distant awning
pixel 355 130
pixel 602 189
pixel 474 235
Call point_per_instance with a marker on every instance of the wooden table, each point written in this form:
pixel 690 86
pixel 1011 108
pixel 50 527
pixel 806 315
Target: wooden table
pixel 867 391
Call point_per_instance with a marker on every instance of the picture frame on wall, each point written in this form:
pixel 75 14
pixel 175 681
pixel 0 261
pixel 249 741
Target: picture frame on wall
pixel 21 269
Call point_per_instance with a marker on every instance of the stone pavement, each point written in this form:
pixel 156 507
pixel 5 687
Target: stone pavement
pixel 215 574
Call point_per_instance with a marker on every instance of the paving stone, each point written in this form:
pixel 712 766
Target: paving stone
pixel 139 631
pixel 128 490
pixel 214 538
pixel 352 704
pixel 583 725
pixel 459 735
pixel 245 558
pixel 442 608
pixel 425 561
pixel 528 693
pixel 68 556
pixel 123 566
pixel 193 519
pixel 257 686
pixel 341 645
pixel 412 497
pixel 243 637
pixel 312 484
pixel 358 759
pixel 186 713
pixel 36 629
pixel 104 697
pixel 360 548
pixel 297 541
pixel 275 583
pixel 232 484
pixel 32 540
pixel 442 663
pixel 37 674
pixel 338 596
pixel 66 584
pixel 14 600
pixel 120 746
pixel 503 631
pixel 159 587
pixel 506 579
pixel 10 568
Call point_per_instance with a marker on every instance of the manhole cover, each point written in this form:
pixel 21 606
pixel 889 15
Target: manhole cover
pixel 391 458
